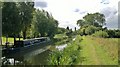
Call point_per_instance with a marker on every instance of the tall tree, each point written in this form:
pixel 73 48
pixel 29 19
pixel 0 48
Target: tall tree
pixel 10 19
pixel 80 22
pixel 26 15
pixel 45 23
pixel 67 28
pixel 95 19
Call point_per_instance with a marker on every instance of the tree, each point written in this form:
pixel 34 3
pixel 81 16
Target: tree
pixel 75 28
pixel 95 19
pixel 46 25
pixel 80 22
pixel 26 14
pixel 67 28
pixel 82 31
pixel 61 30
pixel 11 25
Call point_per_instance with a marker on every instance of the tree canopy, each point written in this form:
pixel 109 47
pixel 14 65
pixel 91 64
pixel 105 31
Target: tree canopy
pixel 45 24
pixel 10 19
pixel 95 19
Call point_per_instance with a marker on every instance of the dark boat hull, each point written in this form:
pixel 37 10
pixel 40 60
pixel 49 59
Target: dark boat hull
pixel 21 51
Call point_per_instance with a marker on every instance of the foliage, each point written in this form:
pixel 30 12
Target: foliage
pixel 10 19
pixel 95 19
pixel 45 24
pixel 69 56
pixel 81 31
pixel 69 33
pixel 113 33
pixel 26 14
pixel 16 17
pixel 61 30
pixel 90 30
pixel 101 34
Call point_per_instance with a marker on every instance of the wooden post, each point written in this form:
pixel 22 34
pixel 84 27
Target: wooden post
pixel 19 37
pixel 14 62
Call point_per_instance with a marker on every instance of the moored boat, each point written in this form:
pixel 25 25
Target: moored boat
pixel 25 46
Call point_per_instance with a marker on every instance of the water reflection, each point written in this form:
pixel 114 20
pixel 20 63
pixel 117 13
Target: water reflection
pixel 36 57
pixel 61 47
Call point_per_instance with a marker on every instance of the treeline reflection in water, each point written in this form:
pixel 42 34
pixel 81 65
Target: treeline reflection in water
pixel 35 57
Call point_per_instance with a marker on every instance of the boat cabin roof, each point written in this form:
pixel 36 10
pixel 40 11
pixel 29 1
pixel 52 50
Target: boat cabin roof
pixel 35 39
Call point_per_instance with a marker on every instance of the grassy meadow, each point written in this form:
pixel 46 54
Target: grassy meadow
pixel 99 51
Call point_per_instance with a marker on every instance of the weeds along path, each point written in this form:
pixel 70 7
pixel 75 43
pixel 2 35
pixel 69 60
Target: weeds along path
pixel 93 53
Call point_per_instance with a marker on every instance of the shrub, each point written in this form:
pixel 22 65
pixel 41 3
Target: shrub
pixel 90 30
pixel 101 34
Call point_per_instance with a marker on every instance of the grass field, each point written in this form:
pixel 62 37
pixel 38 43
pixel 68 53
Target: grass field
pixel 10 40
pixel 99 51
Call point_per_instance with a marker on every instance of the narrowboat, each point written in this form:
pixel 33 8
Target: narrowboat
pixel 25 46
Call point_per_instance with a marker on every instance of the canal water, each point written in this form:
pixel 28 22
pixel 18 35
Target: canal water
pixel 36 57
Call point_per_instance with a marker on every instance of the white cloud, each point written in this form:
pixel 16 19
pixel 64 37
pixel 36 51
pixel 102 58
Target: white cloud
pixel 64 10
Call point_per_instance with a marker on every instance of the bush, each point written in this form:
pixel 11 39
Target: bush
pixel 90 30
pixel 101 34
pixel 117 34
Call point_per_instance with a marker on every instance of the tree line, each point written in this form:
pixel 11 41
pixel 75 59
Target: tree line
pixel 92 24
pixel 21 19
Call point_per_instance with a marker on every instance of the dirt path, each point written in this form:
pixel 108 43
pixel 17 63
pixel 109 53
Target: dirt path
pixel 93 54
pixel 89 53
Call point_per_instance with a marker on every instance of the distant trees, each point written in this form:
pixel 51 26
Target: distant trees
pixel 61 30
pixel 95 19
pixel 101 33
pixel 93 24
pixel 113 33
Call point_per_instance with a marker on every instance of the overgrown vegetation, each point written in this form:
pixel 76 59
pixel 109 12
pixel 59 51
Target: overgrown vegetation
pixel 101 34
pixel 69 56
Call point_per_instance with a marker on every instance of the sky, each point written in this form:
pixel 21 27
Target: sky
pixel 67 12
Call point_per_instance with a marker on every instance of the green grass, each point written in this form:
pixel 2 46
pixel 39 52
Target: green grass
pixel 60 36
pixel 99 51
pixel 10 40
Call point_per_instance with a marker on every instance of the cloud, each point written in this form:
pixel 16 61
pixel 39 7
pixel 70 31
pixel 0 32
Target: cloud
pixel 73 10
pixel 113 23
pixel 41 4
pixel 80 11
pixel 109 12
pixel 71 25
pixel 76 10
pixel 111 15
pixel 105 1
pixel 83 12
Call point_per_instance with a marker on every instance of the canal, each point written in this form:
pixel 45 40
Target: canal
pixel 36 57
